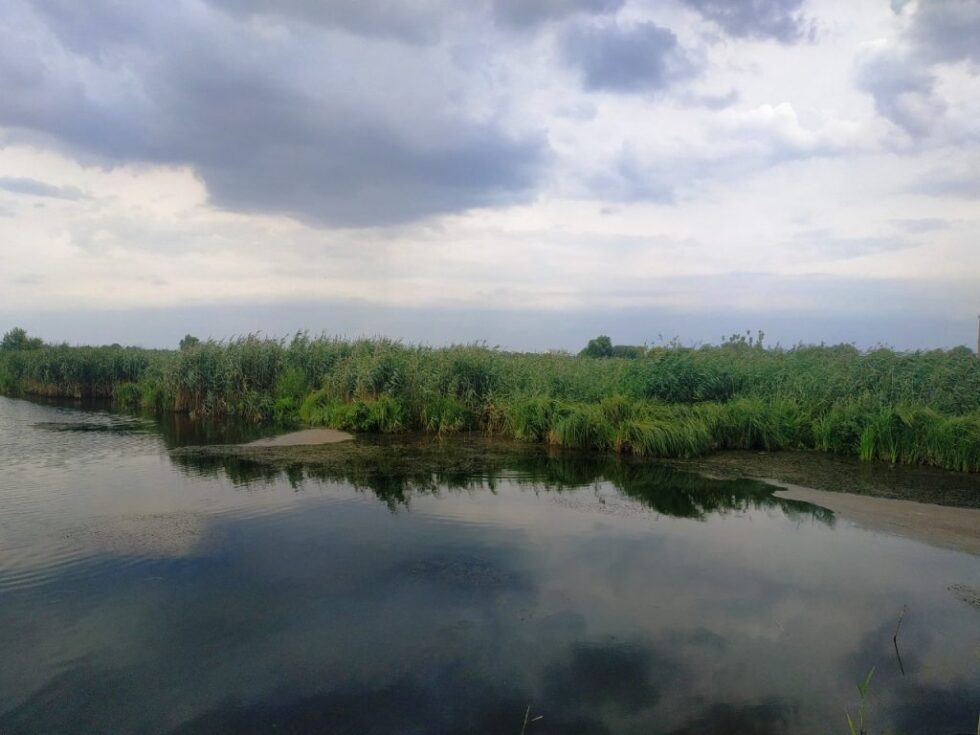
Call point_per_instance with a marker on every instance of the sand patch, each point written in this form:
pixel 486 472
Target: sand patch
pixel 303 438
pixel 940 525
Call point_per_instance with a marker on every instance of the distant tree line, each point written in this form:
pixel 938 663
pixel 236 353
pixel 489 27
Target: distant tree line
pixel 602 346
pixel 17 339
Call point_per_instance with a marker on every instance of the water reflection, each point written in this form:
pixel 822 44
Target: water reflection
pixel 395 470
pixel 611 597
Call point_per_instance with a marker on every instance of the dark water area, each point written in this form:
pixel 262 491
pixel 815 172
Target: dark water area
pixel 423 586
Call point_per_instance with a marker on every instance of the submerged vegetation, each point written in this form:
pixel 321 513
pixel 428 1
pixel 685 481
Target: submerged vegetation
pixel 668 401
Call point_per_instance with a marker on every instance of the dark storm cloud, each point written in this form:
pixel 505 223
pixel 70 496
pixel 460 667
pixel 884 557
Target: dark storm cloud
pixel 92 28
pixel 642 57
pixel 530 13
pixel 199 88
pixel 410 22
pixel 33 187
pixel 781 20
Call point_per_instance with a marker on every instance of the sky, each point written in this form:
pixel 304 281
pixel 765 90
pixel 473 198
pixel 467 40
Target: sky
pixel 528 173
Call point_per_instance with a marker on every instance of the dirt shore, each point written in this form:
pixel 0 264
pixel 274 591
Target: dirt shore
pixel 953 528
pixel 306 437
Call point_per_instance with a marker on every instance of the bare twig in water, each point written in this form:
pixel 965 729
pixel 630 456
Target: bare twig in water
pixel 898 627
pixel 901 616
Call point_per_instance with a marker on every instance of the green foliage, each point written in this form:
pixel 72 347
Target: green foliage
pixel 446 415
pixel 17 339
pixel 128 395
pixel 673 401
pixel 188 342
pixel 530 419
pixel 601 346
pixel 754 423
pixel 630 352
pixel 863 687
pixel 581 426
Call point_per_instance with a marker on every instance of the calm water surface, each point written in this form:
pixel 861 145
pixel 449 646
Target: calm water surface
pixel 149 592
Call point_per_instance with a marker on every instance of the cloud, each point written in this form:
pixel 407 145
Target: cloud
pixel 33 187
pixel 711 101
pixel 905 76
pixel 947 31
pixel 780 20
pixel 521 14
pixel 902 87
pixel 922 225
pixel 738 144
pixel 417 22
pixel 949 182
pixel 630 677
pixel 776 130
pixel 629 177
pixel 826 243
pixel 641 57
pixel 244 111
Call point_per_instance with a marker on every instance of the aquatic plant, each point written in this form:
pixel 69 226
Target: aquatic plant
pixel 858 729
pixel 669 401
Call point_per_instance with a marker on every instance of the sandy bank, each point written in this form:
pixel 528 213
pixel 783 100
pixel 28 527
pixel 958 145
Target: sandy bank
pixel 953 528
pixel 306 437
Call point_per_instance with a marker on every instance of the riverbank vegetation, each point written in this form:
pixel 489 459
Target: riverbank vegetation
pixel 666 401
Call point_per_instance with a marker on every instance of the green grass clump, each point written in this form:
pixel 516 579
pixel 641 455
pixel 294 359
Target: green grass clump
pixel 683 437
pixel 674 401
pixel 581 426
pixel 754 423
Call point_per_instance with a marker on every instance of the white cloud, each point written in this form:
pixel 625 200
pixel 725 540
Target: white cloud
pixel 486 173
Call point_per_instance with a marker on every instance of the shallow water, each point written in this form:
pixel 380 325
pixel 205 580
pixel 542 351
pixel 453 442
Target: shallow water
pixel 146 591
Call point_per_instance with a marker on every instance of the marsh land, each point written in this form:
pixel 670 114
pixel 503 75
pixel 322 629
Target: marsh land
pixel 320 535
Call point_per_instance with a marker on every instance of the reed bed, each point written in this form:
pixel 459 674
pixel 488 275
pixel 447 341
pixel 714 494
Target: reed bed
pixel 900 407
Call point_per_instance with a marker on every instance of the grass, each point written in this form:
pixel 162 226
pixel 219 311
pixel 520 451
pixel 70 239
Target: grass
pixel 899 407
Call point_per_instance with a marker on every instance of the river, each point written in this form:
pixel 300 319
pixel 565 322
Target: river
pixel 428 586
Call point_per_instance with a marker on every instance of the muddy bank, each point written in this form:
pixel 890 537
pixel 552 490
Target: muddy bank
pixel 953 528
pixel 927 505
pixel 843 475
pixel 303 438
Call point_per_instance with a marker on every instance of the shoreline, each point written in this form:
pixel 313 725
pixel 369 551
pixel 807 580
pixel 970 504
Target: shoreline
pixel 937 525
pixel 302 438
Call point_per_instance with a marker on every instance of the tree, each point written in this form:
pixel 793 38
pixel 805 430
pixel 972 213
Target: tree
pixel 601 346
pixel 189 341
pixel 630 352
pixel 17 339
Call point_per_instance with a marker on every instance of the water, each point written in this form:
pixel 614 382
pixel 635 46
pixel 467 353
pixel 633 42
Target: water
pixel 444 588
